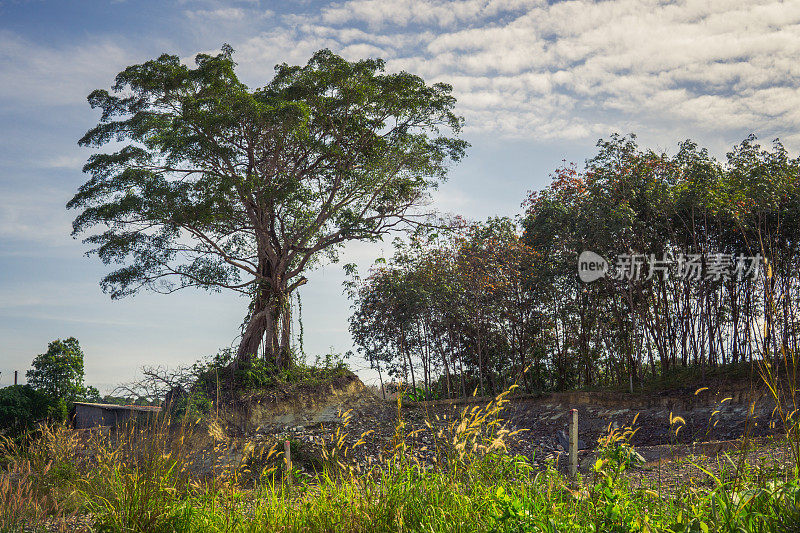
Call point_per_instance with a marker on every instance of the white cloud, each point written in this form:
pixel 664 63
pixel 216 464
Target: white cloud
pixel 380 13
pixel 521 68
pixel 580 68
pixel 218 15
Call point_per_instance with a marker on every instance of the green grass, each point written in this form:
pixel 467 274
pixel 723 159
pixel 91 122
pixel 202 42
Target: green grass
pixel 493 494
pixel 142 479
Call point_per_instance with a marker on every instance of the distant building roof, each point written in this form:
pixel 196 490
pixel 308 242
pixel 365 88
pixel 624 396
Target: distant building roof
pixel 115 407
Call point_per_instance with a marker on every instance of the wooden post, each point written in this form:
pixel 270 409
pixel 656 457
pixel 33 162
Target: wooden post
pixel 287 457
pixel 573 444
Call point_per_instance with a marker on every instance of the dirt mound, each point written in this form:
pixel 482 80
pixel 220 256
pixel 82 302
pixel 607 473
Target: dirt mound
pixel 309 414
pixel 299 405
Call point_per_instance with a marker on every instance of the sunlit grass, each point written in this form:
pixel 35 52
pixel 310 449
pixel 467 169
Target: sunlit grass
pixel 189 476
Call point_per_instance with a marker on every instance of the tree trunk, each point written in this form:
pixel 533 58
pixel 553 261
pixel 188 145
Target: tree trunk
pixel 283 356
pixel 256 328
pixel 270 323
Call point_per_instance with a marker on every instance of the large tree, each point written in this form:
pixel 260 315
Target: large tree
pixel 219 186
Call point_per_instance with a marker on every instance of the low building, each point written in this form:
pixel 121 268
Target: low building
pixel 90 415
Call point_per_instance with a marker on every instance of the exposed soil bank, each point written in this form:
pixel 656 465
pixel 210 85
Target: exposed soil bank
pixel 713 414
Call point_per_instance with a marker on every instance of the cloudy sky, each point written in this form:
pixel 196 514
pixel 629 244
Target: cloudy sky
pixel 536 81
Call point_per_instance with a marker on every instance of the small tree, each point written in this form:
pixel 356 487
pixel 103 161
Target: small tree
pixel 59 372
pixel 220 186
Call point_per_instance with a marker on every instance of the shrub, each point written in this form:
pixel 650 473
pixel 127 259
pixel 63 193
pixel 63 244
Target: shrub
pixel 217 374
pixel 21 406
pixel 195 404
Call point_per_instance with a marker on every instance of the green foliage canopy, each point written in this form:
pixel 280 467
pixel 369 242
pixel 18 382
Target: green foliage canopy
pixel 480 306
pixel 220 186
pixel 59 371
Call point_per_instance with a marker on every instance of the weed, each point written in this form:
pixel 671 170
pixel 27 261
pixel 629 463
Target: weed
pixel 189 476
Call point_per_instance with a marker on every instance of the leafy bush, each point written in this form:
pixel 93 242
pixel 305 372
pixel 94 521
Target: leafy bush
pixel 195 404
pixel 218 373
pixel 417 394
pixel 21 406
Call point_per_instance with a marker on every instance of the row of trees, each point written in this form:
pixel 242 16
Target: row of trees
pixel 703 253
pixel 205 182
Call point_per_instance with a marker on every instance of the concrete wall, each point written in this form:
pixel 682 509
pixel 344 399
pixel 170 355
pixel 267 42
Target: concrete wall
pixel 89 416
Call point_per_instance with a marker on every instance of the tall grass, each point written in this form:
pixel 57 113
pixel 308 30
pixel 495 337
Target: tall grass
pixel 33 475
pixel 191 477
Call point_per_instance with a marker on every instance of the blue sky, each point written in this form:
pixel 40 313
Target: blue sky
pixel 537 82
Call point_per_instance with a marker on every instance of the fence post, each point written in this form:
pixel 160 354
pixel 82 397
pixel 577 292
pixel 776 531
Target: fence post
pixel 287 457
pixel 573 444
